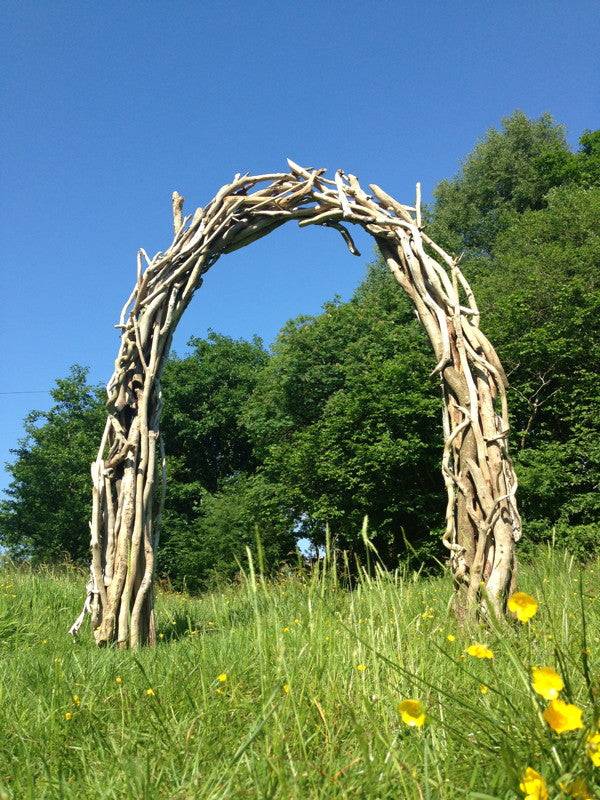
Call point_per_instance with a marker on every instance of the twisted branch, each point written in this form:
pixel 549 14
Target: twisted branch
pixel 482 520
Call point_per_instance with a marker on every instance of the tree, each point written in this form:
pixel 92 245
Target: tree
pixel 342 419
pixel 45 516
pixel 214 502
pixel 204 393
pixel 209 548
pixel 346 417
pixel 509 172
pixel 524 211
pixel 542 303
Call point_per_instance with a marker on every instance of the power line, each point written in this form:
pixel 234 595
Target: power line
pixel 30 391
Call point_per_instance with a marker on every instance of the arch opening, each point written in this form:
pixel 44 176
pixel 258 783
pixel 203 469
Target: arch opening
pixel 129 474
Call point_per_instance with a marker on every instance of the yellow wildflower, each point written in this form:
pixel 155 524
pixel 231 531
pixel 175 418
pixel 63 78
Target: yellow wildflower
pixel 593 748
pixel 533 785
pixel 119 680
pixel 285 688
pixel 222 678
pixel 297 621
pixel 285 629
pixel 412 713
pixel 483 688
pixel 577 788
pixel 563 717
pixel 150 692
pixel 546 682
pixel 451 637
pixel 523 606
pixel 361 667
pixel 68 715
pixel 76 700
pixel 479 651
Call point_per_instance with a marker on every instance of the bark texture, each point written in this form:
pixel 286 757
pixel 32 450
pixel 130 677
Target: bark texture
pixel 128 475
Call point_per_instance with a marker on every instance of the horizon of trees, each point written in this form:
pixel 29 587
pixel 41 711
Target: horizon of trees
pixel 340 418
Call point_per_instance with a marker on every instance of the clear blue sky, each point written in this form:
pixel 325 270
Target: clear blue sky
pixel 106 108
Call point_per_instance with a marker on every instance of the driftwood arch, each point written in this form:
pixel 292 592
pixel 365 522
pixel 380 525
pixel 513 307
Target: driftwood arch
pixel 482 521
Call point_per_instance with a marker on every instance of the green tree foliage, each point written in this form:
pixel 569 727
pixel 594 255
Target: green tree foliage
pixel 509 172
pixel 208 548
pixel 346 417
pixel 341 419
pixel 214 501
pixel 524 211
pixel 213 504
pixel 45 515
pixel 541 304
pixel 204 393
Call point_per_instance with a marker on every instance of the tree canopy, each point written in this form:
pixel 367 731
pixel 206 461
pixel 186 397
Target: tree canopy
pixel 46 511
pixel 340 417
pixel 346 417
pixel 510 171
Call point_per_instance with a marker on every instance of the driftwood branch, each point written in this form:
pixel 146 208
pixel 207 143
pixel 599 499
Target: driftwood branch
pixel 482 521
pixel 178 201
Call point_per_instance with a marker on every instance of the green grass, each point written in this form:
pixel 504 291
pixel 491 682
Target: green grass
pixel 335 734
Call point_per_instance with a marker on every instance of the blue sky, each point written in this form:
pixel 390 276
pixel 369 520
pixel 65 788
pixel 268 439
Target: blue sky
pixel 108 107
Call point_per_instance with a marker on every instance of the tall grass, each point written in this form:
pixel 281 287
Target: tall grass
pixel 290 689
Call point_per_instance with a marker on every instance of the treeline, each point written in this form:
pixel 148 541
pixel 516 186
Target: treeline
pixel 340 418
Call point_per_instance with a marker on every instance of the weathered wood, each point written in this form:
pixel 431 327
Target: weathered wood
pixel 482 520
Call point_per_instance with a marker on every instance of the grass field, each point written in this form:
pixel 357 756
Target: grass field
pixel 290 689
